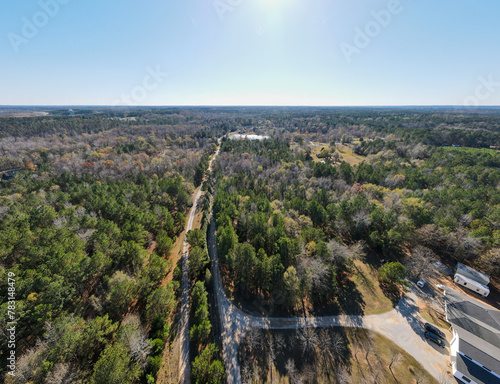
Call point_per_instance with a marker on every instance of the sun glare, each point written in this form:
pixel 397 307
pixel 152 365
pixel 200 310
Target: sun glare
pixel 273 2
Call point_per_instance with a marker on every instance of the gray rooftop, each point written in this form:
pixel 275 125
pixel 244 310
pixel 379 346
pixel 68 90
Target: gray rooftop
pixel 475 372
pixel 480 277
pixel 478 327
pixel 490 362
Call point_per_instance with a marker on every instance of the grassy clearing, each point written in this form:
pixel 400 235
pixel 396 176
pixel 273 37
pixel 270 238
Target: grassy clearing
pixel 365 278
pixel 348 154
pixel 433 317
pixel 327 356
pixel 345 151
pixel 169 369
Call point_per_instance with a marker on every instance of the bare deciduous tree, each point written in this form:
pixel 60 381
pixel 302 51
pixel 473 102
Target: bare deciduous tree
pixel 137 339
pixel 279 342
pixel 324 341
pixel 308 340
pixel 394 358
pixel 338 347
pixel 61 374
pixel 420 264
pixel 254 339
pixel 290 368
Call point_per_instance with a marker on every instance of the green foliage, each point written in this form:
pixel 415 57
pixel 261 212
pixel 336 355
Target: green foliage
pixel 115 366
pixel 95 336
pixel 201 169
pixel 156 269
pixel 198 260
pixel 196 238
pixel 164 243
pixel 393 273
pixel 199 333
pixel 122 290
pixel 291 283
pixel 160 304
pixel 206 369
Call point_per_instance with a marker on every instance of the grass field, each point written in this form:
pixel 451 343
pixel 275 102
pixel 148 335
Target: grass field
pixel 431 316
pixel 345 151
pixel 348 154
pixel 363 357
pixel 365 278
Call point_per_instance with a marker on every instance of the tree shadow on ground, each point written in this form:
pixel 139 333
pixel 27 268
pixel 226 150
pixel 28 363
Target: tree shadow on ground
pixel 350 299
pixel 410 311
pixel 392 292
pixel 292 359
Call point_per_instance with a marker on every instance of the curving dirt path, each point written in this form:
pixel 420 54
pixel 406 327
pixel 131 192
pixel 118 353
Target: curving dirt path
pixel 184 361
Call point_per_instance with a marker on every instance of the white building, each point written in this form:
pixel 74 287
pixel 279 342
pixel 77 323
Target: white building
pixel 475 347
pixel 238 136
pixel 473 285
pixel 472 273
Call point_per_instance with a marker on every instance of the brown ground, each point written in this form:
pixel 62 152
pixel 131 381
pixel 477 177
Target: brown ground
pixel 367 357
pixel 169 369
pixel 493 299
pixel 176 252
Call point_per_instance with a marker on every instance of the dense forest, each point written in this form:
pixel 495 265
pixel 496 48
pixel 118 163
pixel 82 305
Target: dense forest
pixel 87 225
pixel 98 199
pixel 290 227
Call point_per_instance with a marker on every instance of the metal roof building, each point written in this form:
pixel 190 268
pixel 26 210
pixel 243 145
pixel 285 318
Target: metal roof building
pixel 473 274
pixel 475 347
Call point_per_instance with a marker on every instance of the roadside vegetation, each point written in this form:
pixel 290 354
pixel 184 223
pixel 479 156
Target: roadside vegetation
pixel 207 366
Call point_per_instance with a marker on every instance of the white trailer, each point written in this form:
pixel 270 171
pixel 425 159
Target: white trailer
pixel 472 273
pixel 473 285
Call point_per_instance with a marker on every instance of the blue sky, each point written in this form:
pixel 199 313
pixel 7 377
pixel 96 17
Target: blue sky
pixel 250 52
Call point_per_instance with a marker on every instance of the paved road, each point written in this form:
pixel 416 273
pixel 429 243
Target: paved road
pixel 184 364
pixel 403 325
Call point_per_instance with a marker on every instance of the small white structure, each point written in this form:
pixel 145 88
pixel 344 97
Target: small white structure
pixel 473 285
pixel 238 136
